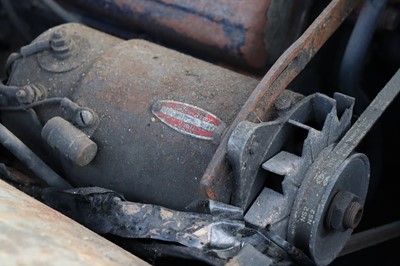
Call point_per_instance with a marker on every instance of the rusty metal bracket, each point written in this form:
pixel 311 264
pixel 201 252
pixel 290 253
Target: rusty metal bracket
pixel 218 234
pixel 279 76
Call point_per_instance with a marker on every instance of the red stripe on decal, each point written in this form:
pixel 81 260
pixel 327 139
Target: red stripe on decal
pixel 187 119
pixel 186 126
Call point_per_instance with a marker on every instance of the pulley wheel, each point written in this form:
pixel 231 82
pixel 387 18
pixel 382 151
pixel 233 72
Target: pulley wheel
pixel 329 206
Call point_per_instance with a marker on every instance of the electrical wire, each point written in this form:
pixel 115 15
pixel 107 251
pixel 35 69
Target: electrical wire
pixel 55 100
pixel 30 159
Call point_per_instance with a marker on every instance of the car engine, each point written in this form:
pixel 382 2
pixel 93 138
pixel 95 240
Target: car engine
pixel 160 132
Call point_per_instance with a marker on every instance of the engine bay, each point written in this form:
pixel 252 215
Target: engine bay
pixel 202 132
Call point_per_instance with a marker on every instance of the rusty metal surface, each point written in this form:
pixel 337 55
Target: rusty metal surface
pixel 270 144
pixel 107 212
pixel 217 232
pixel 340 168
pixel 34 234
pixel 285 69
pixel 245 32
pixel 138 155
pixel 249 253
pixel 20 123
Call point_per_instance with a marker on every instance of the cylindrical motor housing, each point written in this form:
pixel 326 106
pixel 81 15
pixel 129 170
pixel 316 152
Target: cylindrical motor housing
pixel 160 112
pixel 251 33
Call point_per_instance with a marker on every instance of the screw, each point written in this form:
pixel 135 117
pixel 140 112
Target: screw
pixel 86 118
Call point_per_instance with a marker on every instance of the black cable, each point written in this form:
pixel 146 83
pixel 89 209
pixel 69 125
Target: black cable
pixel 35 47
pixel 30 159
pixel 55 100
pixel 25 51
pixel 4 87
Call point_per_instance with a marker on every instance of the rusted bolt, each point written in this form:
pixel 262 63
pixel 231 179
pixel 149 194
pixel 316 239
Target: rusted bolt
pixel 25 95
pixel 345 212
pixel 60 44
pixel 30 93
pixel 283 102
pixel 353 214
pixel 21 93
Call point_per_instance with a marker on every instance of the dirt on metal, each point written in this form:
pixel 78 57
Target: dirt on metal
pixel 285 69
pixel 34 234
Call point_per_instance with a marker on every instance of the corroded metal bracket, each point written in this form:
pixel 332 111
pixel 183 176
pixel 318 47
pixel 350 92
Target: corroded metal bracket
pixel 216 177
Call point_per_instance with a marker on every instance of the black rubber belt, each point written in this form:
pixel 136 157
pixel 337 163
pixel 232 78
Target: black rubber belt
pixel 360 128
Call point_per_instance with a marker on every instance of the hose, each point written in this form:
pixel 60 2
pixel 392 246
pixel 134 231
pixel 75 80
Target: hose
pixel 354 57
pixel 31 160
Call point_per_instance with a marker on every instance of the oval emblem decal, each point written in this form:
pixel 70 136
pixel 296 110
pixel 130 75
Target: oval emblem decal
pixel 188 119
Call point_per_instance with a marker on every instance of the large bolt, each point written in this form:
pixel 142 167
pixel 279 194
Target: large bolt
pixel 345 211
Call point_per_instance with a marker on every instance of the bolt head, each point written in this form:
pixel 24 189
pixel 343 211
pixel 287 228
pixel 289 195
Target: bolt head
pixel 283 102
pixel 25 95
pixel 86 118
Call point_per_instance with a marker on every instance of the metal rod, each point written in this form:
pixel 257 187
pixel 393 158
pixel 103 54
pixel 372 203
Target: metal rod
pixel 371 237
pixel 30 160
pixel 285 69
